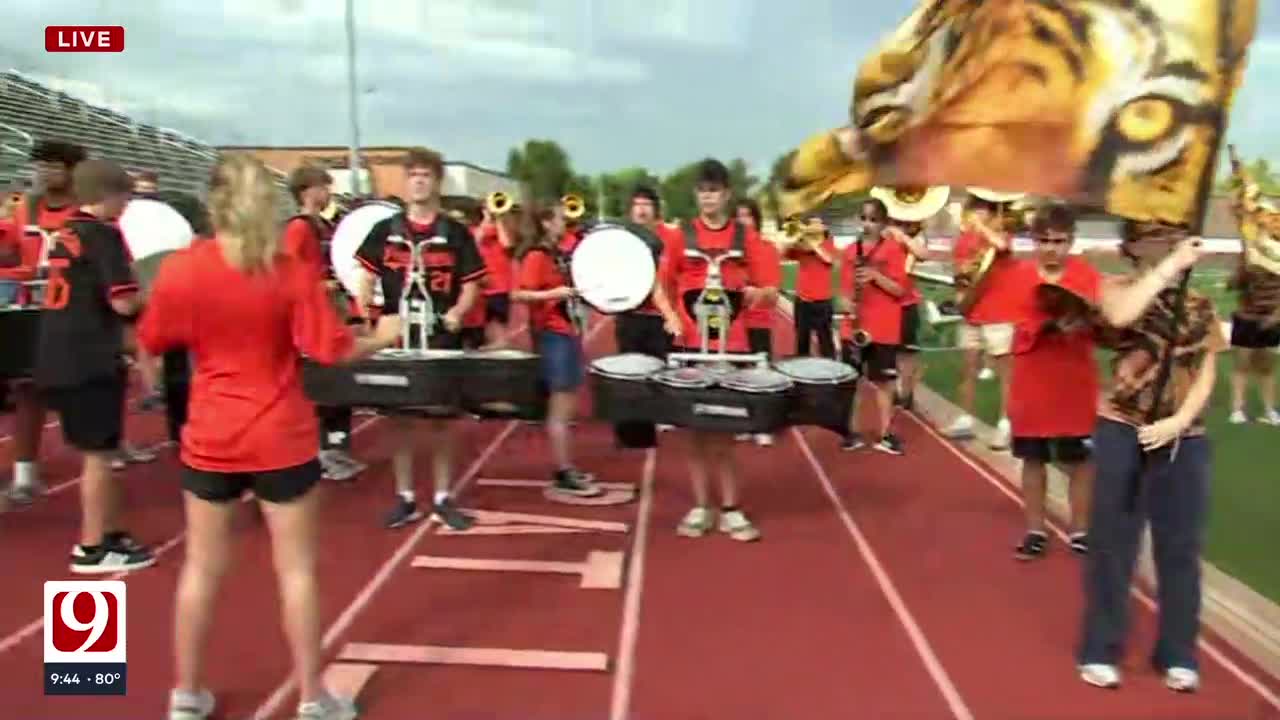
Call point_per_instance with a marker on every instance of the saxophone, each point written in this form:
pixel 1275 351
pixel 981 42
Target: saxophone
pixel 1259 278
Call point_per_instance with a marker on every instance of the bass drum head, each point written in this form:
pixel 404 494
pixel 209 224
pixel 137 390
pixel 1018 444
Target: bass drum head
pixel 813 370
pixel 759 380
pixel 627 365
pixel 151 227
pixel 613 269
pixel 348 237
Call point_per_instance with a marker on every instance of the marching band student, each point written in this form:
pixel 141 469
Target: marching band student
pixel 49 208
pixel 473 323
pixel 307 236
pixel 649 328
pixel 1053 391
pixel 497 238
pixel 911 235
pixel 756 277
pixel 454 274
pixel 79 368
pixel 988 325
pixel 248 311
pixel 881 272
pixel 758 317
pixel 544 286
pixel 815 266
pixel 1157 471
pixel 1254 343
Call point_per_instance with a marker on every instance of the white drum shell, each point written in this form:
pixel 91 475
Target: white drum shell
pixel 348 237
pixel 613 269
pixel 151 227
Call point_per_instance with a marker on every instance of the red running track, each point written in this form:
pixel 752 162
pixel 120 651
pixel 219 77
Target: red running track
pixel 884 587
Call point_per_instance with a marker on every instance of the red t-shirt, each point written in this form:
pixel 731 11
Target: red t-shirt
pixel 672 241
pixel 300 241
pixel 912 295
pixel 759 268
pixel 497 260
pixel 760 315
pixel 1053 391
pixel 995 302
pixel 813 275
pixel 248 409
pixel 538 271
pixel 880 313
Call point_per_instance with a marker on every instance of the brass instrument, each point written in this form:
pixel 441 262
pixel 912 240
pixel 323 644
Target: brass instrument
pixel 795 232
pixel 969 275
pixel 499 203
pixel 574 206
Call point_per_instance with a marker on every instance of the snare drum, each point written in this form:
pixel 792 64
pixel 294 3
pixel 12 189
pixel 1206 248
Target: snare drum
pixel 503 383
pixel 824 392
pixel 620 388
pixel 743 401
pixel 425 382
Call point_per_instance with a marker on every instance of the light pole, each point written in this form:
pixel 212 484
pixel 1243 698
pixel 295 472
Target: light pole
pixel 352 97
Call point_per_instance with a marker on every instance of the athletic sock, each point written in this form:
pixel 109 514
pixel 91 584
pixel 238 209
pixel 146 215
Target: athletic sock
pixel 407 495
pixel 24 473
pixel 441 496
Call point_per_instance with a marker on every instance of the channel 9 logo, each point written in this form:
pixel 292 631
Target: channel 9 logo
pixel 84 637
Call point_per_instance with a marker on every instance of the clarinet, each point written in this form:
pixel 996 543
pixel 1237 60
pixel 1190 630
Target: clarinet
pixel 861 338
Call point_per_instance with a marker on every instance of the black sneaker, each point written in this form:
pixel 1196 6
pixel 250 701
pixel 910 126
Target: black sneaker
pixel 106 560
pixel 1033 546
pixel 448 513
pixel 121 541
pixel 853 442
pixel 1079 543
pixel 405 512
pixel 889 444
pixel 575 482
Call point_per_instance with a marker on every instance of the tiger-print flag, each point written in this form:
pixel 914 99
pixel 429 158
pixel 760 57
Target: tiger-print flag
pixel 1119 104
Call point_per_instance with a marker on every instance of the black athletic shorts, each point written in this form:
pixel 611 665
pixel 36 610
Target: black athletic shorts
pixel 910 329
pixel 760 340
pixel 880 361
pixel 1052 450
pixel 92 414
pixel 1246 333
pixel 497 308
pixel 273 486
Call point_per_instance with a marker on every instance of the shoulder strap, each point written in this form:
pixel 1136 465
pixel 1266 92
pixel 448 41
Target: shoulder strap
pixel 690 235
pixel 33 210
pixel 400 224
pixel 318 225
pixel 739 237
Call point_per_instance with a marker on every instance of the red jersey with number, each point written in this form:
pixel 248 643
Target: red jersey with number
pixel 246 331
pixel 758 268
pixel 879 312
pixel 1053 391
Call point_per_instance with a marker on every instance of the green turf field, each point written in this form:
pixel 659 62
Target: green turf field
pixel 1246 484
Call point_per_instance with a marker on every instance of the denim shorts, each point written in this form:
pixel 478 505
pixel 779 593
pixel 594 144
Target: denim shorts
pixel 562 361
pixel 8 292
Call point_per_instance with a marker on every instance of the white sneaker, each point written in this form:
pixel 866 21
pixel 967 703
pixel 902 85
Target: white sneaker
pixel 742 437
pixel 1100 675
pixel 1270 417
pixel 1237 418
pixel 986 373
pixel 764 440
pixel 189 706
pixel 696 522
pixel 1180 679
pixel 960 429
pixel 736 525
pixel 1000 438
pixel 328 708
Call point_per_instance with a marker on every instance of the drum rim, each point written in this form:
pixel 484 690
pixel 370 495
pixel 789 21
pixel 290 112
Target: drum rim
pixel 846 373
pixel 665 377
pixel 782 382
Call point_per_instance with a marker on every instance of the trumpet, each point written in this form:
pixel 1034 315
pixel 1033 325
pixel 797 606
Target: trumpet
pixel 573 205
pixel 796 232
pixel 498 203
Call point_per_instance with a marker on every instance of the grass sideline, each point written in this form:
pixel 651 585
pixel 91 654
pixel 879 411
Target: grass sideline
pixel 1245 496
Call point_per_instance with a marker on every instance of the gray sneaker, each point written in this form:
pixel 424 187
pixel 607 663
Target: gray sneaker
pixel 328 708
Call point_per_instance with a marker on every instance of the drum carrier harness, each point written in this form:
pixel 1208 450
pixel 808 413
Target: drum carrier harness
pixel 416 308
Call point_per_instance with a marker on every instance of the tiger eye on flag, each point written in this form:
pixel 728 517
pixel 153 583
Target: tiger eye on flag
pixel 1116 104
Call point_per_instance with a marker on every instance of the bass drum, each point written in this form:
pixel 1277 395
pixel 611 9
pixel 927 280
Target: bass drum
pixel 152 230
pixel 613 268
pixel 348 237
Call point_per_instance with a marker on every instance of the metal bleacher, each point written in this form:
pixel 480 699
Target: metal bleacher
pixel 31 111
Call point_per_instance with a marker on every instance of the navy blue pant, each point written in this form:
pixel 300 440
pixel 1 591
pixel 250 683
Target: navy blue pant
pixel 1175 499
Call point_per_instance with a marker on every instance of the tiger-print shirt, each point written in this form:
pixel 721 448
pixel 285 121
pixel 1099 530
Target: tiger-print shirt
pixel 1140 348
pixel 1259 298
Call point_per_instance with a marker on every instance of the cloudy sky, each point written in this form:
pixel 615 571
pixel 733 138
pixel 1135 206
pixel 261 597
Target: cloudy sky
pixel 655 83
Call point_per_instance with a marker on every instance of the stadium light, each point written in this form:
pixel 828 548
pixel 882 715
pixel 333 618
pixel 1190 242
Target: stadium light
pixel 353 99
